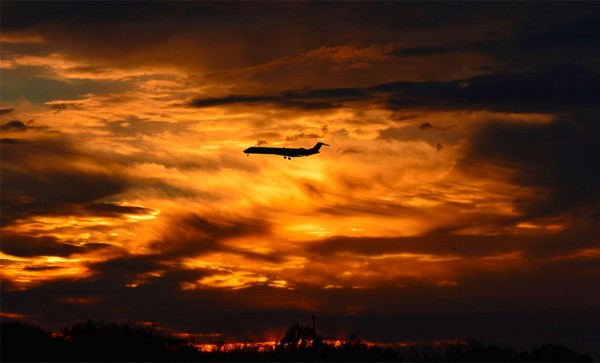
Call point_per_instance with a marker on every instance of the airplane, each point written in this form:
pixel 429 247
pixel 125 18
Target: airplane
pixel 285 152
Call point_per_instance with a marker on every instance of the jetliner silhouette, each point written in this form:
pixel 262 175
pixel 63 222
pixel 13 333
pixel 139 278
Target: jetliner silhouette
pixel 285 152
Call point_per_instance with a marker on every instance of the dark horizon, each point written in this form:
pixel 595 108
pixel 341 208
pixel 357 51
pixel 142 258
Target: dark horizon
pixel 102 341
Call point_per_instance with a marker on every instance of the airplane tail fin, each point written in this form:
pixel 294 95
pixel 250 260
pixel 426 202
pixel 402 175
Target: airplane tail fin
pixel 318 146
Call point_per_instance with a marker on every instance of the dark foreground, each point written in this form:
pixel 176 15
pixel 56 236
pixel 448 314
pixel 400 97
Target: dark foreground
pixel 107 342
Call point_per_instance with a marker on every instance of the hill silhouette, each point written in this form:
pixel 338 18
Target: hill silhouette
pixel 92 341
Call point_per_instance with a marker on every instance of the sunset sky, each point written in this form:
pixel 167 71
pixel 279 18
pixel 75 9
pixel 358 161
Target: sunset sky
pixel 460 196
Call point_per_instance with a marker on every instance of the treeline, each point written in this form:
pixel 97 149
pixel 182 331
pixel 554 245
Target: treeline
pixel 108 342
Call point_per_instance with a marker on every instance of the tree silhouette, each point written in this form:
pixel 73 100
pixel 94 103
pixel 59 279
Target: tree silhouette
pixel 553 353
pixel 23 342
pixel 476 351
pixel 297 336
pixel 91 341
pixel 300 343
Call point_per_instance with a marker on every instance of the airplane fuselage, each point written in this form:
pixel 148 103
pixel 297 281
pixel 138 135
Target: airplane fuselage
pixel 287 153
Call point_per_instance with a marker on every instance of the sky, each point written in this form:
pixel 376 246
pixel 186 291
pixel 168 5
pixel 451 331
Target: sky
pixel 459 196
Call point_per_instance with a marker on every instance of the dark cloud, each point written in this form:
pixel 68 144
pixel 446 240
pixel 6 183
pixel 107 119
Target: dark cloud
pixel 135 126
pixel 161 300
pixel 19 126
pixel 233 99
pixel 550 89
pixel 178 27
pixel 302 100
pixel 234 37
pixel 574 34
pixel 42 268
pixel 49 170
pixel 425 126
pixel 156 186
pixel 434 135
pixel 5 110
pixel 443 245
pixel 303 135
pixel 64 105
pixel 349 151
pixel 188 236
pixel 126 267
pixel 182 23
pixel 192 235
pixel 38 84
pixel 308 100
pixel 419 51
pixel 14 210
pixel 429 126
pixel 14 126
pixel 516 36
pixel 8 140
pixel 309 135
pixel 354 206
pixel 111 209
pixel 22 245
pixel 532 294
pixel 34 126
pixel 536 40
pixel 594 215
pixel 400 314
pixel 224 228
pixel 490 46
pixel 558 41
pixel 560 160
